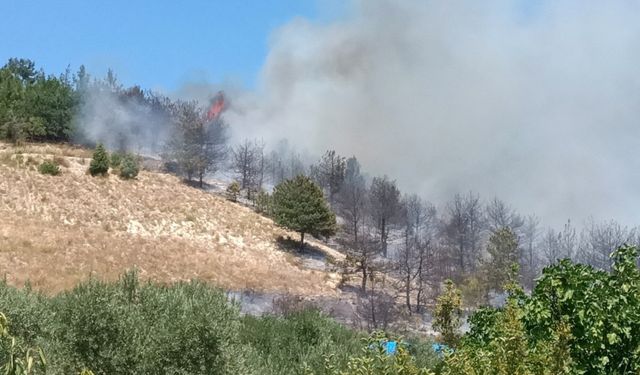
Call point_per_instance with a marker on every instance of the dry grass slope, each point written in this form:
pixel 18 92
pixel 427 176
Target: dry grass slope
pixel 55 231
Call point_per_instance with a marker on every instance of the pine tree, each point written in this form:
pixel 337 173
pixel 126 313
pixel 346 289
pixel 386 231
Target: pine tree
pixel 129 167
pixel 447 317
pixel 298 204
pixel 100 161
pixel 503 254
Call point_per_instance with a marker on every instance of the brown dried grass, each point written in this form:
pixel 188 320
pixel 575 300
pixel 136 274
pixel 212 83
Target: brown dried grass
pixel 56 232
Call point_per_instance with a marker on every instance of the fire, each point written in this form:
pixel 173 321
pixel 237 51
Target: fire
pixel 217 106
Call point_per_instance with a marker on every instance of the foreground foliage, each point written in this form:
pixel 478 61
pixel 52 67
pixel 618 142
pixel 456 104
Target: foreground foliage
pixel 578 320
pixel 146 328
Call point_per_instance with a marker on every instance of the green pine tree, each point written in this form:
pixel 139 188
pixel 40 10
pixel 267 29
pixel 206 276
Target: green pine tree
pixel 447 317
pixel 129 167
pixel 100 161
pixel 503 254
pixel 299 204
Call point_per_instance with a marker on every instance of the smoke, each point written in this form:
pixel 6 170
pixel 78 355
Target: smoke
pixel 537 103
pixel 124 122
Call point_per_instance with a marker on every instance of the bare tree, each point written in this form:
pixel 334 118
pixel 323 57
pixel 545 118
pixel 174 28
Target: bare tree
pixel 599 240
pixel 329 173
pixel 385 207
pixel 283 163
pixel 248 165
pixel 353 198
pixel 418 218
pixel 500 215
pixel 361 256
pixel 550 246
pixel 568 241
pixel 377 306
pixel 559 245
pixel 462 231
pixel 529 255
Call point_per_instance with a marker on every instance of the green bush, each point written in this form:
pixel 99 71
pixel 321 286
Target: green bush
pixel 100 162
pixel 49 167
pixel 374 360
pixel 288 345
pixel 129 167
pixel 116 159
pixel 578 320
pixel 233 190
pixel 263 203
pixel 127 327
pixel 16 359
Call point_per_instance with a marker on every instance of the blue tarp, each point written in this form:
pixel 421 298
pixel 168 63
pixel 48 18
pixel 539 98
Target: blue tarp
pixel 391 347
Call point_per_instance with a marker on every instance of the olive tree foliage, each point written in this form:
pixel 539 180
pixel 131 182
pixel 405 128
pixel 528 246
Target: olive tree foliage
pixel 329 173
pixel 248 164
pixel 299 205
pixel 385 207
pixel 197 146
pixel 15 358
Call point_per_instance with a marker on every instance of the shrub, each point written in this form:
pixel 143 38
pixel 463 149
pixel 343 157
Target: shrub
pixel 61 161
pixel 301 340
pixel 129 327
pixel 100 162
pixel 116 159
pixel 15 359
pixel 263 203
pixel 233 190
pixel 374 360
pixel 50 168
pixel 129 167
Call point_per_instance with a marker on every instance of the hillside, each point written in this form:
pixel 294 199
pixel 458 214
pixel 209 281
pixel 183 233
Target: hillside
pixel 57 230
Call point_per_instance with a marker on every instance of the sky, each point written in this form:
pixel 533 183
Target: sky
pixel 156 44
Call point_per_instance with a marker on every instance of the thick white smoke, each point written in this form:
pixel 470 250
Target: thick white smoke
pixel 538 105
